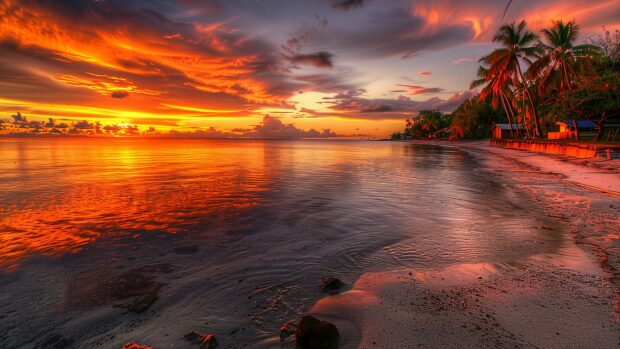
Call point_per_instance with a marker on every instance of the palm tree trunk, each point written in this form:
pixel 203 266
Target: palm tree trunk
pixel 570 87
pixel 526 117
pixel 527 91
pixel 507 114
pixel 599 133
pixel 514 116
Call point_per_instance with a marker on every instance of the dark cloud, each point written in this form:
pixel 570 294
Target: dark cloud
pixel 328 83
pixel 319 59
pixel 274 128
pixel 359 107
pixel 397 32
pixel 83 125
pixel 420 90
pixel 119 94
pixel 269 128
pixel 377 108
pixel 348 4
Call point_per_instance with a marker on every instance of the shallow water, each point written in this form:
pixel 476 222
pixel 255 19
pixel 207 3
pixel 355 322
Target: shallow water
pixel 236 233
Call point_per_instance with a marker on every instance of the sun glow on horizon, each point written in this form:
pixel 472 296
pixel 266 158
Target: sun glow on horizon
pixel 166 67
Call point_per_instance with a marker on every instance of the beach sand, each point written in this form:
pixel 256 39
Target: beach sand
pixel 560 300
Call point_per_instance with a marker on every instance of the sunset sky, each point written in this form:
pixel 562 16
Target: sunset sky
pixel 352 66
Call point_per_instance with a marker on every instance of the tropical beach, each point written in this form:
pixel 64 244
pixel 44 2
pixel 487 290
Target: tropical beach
pixel 506 304
pixel 316 174
pixel 519 254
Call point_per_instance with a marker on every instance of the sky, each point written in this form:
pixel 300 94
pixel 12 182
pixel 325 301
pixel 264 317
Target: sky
pixel 342 67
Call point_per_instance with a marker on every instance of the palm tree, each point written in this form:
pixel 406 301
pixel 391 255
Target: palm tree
pixel 560 57
pixel 516 49
pixel 463 120
pixel 498 87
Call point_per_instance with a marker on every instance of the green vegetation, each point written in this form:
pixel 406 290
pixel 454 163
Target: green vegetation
pixel 428 124
pixel 534 81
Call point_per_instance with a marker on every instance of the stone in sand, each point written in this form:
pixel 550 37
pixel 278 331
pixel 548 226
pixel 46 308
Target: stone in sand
pixel 142 303
pixel 313 333
pixel 288 329
pixel 100 289
pixel 206 341
pixel 331 284
pixel 134 345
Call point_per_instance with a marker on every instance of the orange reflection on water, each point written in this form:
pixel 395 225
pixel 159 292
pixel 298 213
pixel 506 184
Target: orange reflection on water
pixel 64 194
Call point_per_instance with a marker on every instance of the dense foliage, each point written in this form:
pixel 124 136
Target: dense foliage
pixel 534 81
pixel 428 124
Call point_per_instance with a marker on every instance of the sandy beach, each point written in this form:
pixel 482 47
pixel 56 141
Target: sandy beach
pixel 567 299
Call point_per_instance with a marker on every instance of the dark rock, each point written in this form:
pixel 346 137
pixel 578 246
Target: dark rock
pixel 142 303
pixel 331 284
pixel 55 341
pixel 99 289
pixel 313 333
pixel 134 345
pixel 206 341
pixel 288 329
pixel 186 249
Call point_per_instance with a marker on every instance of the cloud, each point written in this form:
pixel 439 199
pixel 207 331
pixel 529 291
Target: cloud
pixel 274 128
pixel 355 106
pixel 420 90
pixel 269 128
pixel 426 73
pixel 394 31
pixel 328 83
pixel 377 108
pixel 83 125
pixel 348 4
pixel 68 58
pixel 119 94
pixel 131 46
pixel 465 59
pixel 319 59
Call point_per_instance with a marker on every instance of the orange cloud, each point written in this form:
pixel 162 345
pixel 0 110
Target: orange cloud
pixel 104 84
pixel 206 55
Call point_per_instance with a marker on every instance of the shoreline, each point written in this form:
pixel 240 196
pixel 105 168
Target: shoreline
pixel 236 283
pixel 568 299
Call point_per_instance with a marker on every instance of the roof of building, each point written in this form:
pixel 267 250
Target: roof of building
pixel 580 123
pixel 507 126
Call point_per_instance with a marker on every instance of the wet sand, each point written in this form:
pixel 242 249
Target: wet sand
pixel 549 300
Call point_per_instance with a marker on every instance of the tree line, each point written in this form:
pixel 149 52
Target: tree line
pixel 534 81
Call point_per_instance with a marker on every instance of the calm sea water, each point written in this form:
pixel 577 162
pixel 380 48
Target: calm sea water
pixel 233 236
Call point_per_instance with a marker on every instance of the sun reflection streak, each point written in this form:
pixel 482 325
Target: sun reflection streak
pixel 123 190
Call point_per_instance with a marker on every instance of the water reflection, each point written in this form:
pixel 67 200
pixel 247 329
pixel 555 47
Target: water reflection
pixel 59 195
pixel 245 229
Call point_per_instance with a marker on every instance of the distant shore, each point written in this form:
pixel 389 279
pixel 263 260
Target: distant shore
pixel 568 299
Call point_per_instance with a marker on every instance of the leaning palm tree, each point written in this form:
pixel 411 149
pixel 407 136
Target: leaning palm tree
pixel 498 86
pixel 561 57
pixel 517 49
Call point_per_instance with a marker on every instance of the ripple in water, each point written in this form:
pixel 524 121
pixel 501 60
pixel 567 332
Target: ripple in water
pixel 248 228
